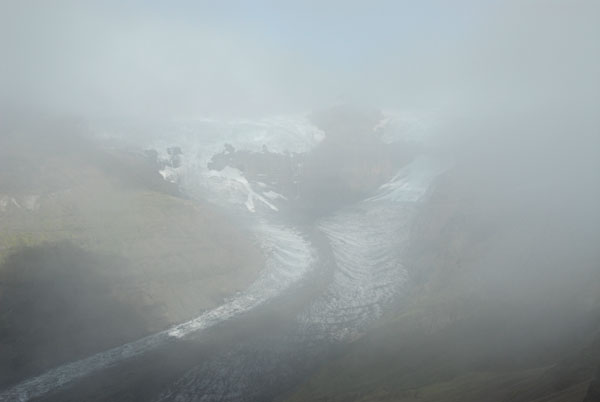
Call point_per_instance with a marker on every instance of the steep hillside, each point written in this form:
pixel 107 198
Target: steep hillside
pixel 504 306
pixel 97 250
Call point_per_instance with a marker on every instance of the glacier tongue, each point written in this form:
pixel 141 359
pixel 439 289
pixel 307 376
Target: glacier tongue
pixel 367 240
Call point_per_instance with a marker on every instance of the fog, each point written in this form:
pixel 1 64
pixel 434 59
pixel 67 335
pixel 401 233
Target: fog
pixel 202 58
pixel 290 200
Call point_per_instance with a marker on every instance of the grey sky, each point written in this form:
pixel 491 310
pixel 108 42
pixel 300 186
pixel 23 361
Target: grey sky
pixel 195 58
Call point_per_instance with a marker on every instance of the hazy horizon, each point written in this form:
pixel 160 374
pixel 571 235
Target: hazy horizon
pixel 106 59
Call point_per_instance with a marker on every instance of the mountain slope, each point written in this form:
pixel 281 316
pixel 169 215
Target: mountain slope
pixel 97 250
pixel 504 306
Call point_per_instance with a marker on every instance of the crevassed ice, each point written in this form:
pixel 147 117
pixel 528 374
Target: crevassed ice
pixel 409 125
pixel 200 140
pixel 367 241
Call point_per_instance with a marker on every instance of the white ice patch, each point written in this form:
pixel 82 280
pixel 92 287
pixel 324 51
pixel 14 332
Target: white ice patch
pixel 169 174
pixel 273 195
pixel 232 181
pixel 411 126
pixel 411 182
pixel 202 139
pixel 26 202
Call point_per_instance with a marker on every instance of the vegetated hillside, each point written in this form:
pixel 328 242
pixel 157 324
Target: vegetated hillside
pixel 96 250
pixel 504 304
